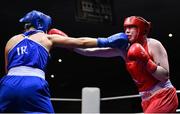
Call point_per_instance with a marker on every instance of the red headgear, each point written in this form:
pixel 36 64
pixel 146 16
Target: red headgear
pixel 142 25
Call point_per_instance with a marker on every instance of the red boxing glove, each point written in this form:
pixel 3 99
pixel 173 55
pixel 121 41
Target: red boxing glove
pixel 137 52
pixel 56 31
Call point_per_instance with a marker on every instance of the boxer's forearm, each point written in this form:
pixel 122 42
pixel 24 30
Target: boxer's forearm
pixel 161 74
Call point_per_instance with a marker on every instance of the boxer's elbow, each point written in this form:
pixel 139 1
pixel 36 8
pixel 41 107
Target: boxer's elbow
pixel 161 74
pixel 165 76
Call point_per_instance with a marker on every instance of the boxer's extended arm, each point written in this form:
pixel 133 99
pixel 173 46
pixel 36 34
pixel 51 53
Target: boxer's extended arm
pixel 61 39
pixel 119 40
pixel 70 42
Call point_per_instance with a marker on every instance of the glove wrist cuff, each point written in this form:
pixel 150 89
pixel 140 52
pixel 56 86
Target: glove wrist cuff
pixel 102 42
pixel 151 66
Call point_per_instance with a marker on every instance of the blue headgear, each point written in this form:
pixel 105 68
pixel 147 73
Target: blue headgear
pixel 38 19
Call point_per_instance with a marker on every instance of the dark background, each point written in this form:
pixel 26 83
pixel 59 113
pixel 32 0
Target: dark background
pixel 77 71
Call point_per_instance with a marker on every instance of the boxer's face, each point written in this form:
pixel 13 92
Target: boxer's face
pixel 132 33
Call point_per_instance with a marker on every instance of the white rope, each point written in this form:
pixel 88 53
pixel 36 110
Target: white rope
pixel 177 110
pixel 119 97
pixel 65 99
pixel 178 91
pixel 102 99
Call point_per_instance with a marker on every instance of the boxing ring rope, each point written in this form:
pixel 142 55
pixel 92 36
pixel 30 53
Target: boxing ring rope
pixel 102 99
pixel 91 95
pixel 65 99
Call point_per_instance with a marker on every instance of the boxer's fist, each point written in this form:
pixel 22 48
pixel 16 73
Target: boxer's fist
pixel 56 31
pixel 119 40
pixel 137 52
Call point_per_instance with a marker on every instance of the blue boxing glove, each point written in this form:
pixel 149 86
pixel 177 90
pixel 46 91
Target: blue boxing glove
pixel 119 40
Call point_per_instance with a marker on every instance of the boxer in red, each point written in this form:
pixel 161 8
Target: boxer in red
pixel 147 62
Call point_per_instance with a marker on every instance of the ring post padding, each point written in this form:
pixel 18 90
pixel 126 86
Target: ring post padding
pixel 90 100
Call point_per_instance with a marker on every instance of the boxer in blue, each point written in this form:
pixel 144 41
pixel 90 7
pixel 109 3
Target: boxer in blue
pixel 24 88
